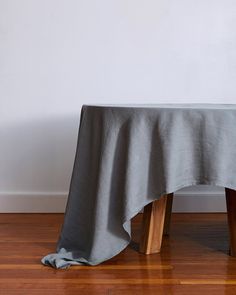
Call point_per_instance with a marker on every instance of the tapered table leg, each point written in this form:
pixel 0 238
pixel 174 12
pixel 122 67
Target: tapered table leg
pixel 231 214
pixel 152 226
pixel 169 203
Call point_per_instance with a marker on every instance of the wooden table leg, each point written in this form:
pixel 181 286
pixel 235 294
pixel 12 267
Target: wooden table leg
pixel 153 225
pixel 169 203
pixel 231 214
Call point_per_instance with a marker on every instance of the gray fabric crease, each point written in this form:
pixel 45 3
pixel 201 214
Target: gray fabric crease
pixel 128 156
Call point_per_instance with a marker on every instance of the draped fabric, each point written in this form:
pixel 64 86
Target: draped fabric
pixel 130 155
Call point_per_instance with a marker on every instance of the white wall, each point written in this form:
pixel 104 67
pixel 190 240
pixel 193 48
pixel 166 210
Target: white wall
pixel 56 55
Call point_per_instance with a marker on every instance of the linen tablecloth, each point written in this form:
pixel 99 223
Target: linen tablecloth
pixel 130 155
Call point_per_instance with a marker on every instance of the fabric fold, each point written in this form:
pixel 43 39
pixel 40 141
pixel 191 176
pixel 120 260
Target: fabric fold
pixel 129 156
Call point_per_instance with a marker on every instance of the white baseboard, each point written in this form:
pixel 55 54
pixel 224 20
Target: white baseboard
pixel 32 202
pixel 193 201
pixel 184 201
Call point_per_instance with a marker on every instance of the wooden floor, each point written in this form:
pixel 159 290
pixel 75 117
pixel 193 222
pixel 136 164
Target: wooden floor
pixel 194 260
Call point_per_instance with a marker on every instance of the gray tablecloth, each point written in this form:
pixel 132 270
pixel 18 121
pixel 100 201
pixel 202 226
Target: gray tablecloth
pixel 128 156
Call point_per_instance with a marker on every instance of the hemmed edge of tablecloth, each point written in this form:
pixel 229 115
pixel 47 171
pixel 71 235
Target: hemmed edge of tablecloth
pixel 63 259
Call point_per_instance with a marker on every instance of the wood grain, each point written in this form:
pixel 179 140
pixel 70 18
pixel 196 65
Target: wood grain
pixel 153 226
pixel 194 260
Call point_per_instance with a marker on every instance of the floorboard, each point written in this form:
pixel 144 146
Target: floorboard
pixel 194 260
